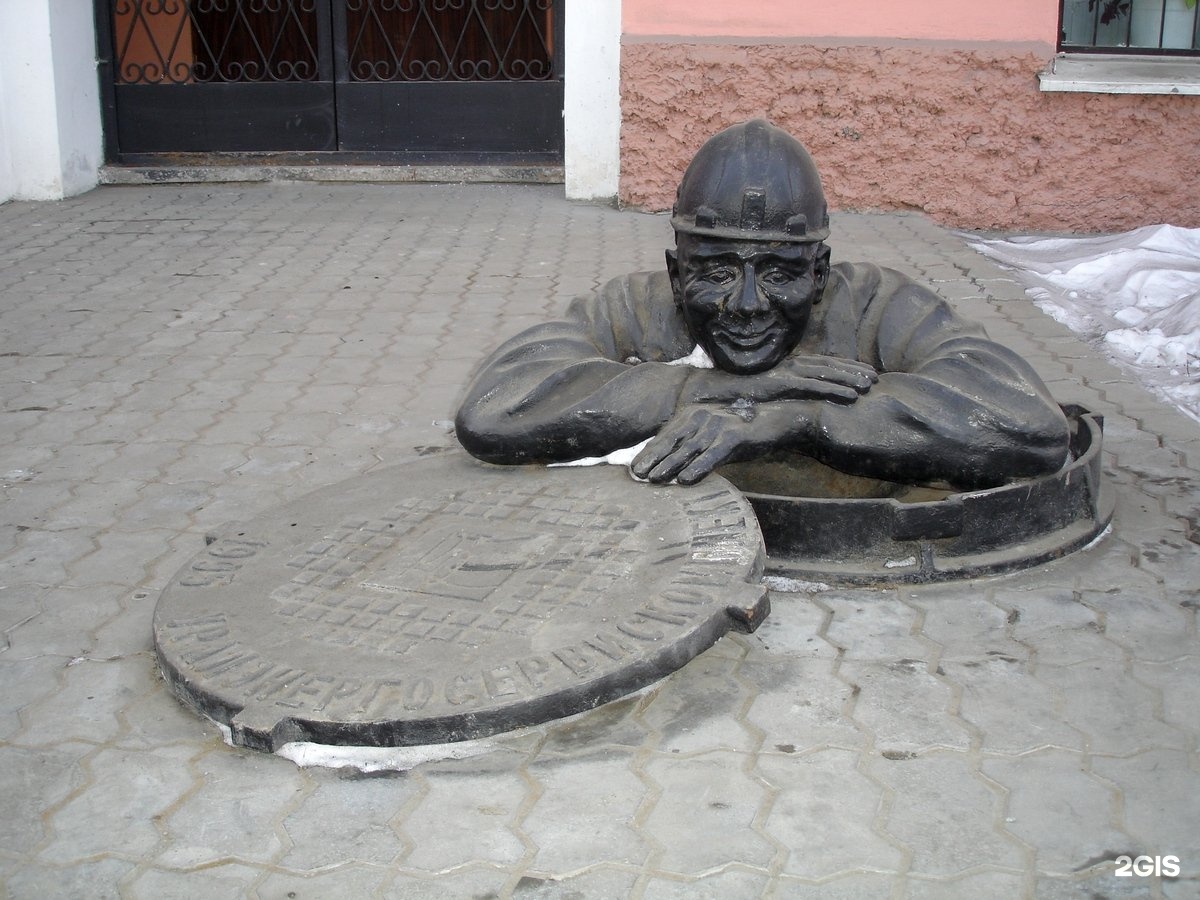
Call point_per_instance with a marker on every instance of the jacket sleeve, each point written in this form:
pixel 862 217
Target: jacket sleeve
pixel 589 384
pixel 950 405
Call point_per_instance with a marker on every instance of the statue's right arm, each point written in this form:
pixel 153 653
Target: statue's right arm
pixel 566 389
pixel 544 397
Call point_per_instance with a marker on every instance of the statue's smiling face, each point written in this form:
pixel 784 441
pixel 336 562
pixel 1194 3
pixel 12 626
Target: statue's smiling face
pixel 746 303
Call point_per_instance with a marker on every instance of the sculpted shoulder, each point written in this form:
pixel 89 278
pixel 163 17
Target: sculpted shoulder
pixel 632 291
pixel 637 316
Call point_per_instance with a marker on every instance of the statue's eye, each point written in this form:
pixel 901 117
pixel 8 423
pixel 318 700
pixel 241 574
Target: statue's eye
pixel 720 275
pixel 776 277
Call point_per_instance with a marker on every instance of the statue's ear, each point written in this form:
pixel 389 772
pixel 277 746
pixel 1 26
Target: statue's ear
pixel 673 274
pixel 821 267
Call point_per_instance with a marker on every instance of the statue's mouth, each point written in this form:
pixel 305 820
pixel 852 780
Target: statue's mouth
pixel 745 338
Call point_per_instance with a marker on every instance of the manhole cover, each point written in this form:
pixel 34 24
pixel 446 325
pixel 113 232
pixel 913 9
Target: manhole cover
pixel 446 600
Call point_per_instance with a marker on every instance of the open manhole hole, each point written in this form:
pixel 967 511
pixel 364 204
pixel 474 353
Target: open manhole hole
pixel 823 525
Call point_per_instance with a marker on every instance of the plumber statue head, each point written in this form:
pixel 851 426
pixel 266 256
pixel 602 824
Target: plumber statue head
pixel 750 223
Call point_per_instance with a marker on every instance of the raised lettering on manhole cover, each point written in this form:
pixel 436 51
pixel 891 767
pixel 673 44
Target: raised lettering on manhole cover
pixel 446 600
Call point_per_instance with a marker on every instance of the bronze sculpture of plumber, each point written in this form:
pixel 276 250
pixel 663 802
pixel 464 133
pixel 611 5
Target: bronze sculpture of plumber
pixel 750 343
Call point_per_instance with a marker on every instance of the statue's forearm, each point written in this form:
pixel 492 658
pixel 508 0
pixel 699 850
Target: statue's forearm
pixel 913 429
pixel 553 412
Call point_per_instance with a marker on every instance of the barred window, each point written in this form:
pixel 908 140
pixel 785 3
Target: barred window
pixel 1167 27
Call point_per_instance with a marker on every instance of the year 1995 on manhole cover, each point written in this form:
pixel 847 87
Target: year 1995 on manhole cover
pixel 447 599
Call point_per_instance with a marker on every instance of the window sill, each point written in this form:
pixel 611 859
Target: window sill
pixel 1105 74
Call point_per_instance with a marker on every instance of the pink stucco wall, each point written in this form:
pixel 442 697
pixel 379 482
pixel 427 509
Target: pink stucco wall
pixel 961 20
pixel 961 132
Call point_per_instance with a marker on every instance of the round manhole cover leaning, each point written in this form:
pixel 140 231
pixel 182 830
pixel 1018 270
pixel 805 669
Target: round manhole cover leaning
pixel 446 600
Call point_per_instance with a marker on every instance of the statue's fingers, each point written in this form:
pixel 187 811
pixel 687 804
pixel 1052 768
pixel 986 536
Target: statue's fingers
pixel 857 377
pixel 859 380
pixel 849 365
pixel 704 430
pixel 671 465
pixel 714 439
pixel 702 464
pixel 854 381
pixel 819 389
pixel 659 448
pixel 844 371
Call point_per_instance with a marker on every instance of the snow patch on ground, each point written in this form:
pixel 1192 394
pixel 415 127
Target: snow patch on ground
pixel 794 585
pixel 369 759
pixel 379 759
pixel 1136 295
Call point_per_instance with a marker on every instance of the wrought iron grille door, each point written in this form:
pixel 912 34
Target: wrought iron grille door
pixel 430 80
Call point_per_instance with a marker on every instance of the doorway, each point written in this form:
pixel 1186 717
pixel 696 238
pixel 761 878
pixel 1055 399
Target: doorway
pixel 456 82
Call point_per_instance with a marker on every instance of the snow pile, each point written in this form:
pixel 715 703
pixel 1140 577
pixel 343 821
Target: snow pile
pixel 370 759
pixel 622 457
pixel 1137 293
pixel 794 585
pixel 378 759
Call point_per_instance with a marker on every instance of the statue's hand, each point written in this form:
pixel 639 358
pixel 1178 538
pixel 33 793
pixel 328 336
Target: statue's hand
pixel 700 437
pixel 832 369
pixel 795 378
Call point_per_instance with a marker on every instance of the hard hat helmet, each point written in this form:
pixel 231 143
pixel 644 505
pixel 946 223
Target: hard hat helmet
pixel 752 182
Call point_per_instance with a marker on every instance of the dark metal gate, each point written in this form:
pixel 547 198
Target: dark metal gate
pixel 450 81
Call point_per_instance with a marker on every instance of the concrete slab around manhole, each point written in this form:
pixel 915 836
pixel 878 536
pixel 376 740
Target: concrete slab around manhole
pixel 446 600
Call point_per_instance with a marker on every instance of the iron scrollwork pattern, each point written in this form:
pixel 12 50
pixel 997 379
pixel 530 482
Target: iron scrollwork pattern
pixel 450 40
pixel 204 41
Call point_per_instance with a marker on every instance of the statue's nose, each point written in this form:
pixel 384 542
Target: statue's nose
pixel 747 300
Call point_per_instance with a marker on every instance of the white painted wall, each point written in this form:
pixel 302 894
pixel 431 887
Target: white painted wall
pixel 50 129
pixel 77 95
pixel 592 99
pixel 8 185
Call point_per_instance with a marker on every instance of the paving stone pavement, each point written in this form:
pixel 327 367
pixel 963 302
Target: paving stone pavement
pixel 173 358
